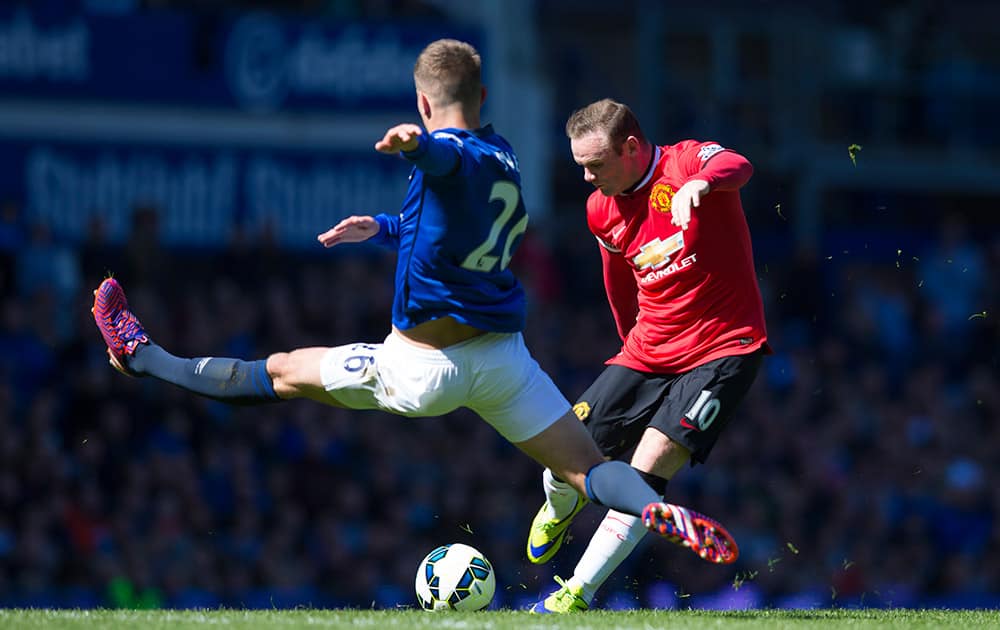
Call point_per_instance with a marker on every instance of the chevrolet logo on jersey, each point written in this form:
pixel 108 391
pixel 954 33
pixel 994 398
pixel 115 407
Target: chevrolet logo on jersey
pixel 657 253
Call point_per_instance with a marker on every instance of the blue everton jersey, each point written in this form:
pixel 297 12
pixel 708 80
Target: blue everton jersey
pixel 461 221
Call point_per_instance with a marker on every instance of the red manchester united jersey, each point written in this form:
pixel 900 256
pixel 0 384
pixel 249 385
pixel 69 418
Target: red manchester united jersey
pixel 681 298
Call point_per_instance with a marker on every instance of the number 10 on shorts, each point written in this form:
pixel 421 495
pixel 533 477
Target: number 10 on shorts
pixel 704 410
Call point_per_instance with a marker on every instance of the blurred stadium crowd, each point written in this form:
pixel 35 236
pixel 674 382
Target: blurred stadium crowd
pixel 860 470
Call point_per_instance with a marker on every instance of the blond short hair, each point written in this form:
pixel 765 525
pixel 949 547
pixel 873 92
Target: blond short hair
pixel 449 71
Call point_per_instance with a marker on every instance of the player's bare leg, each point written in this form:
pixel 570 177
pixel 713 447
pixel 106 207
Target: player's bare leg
pixel 296 374
pixel 569 451
pixel 658 455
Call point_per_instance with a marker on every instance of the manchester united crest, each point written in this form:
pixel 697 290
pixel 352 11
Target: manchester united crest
pixel 660 197
pixel 582 410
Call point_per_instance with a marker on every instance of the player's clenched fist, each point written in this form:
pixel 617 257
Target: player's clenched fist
pixel 351 230
pixel 399 138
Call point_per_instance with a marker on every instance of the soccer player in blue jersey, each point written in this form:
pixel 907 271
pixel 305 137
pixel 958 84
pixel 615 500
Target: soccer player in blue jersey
pixel 457 313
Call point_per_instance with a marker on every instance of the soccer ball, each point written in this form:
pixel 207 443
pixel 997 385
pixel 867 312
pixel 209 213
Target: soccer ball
pixel 455 577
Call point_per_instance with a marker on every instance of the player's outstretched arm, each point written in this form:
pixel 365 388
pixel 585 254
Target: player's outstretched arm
pixel 710 167
pixel 404 137
pixel 433 155
pixel 351 230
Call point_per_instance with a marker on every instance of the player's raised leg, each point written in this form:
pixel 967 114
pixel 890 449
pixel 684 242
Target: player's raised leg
pixel 566 448
pixel 569 452
pixel 619 533
pixel 132 352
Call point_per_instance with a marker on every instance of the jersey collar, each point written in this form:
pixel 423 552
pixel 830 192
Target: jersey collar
pixel 649 173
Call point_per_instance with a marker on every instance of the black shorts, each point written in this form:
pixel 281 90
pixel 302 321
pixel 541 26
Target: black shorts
pixel 691 408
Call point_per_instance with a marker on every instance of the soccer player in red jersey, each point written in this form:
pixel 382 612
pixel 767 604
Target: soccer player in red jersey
pixel 679 275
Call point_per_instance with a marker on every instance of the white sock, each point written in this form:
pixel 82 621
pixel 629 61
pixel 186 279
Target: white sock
pixel 613 541
pixel 560 495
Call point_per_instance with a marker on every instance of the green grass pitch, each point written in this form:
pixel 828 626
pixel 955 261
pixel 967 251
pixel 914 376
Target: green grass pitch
pixel 501 619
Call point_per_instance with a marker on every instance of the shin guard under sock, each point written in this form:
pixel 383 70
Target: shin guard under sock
pixel 228 380
pixel 619 487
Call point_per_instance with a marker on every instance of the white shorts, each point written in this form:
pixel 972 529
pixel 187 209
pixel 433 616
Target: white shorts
pixel 493 374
